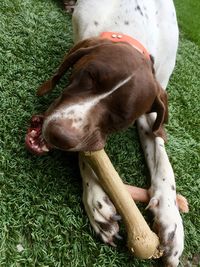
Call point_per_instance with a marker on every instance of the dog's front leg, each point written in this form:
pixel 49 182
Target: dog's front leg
pixel 100 210
pixel 162 192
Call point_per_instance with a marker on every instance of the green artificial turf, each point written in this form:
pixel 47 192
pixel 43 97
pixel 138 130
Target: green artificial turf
pixel 40 197
pixel 189 18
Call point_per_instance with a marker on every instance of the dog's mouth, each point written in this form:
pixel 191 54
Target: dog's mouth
pixel 34 141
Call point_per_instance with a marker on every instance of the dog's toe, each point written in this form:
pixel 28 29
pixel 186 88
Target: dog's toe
pixel 102 215
pixel 69 5
pixel 100 210
pixel 168 225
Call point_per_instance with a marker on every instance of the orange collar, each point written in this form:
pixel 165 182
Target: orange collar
pixel 119 37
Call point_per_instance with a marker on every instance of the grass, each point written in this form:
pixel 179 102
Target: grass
pixel 188 17
pixel 40 197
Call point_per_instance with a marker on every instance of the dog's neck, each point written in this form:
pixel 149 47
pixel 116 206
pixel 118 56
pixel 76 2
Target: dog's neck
pixel 119 37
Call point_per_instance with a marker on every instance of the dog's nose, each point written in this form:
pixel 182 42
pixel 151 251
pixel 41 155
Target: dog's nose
pixel 60 137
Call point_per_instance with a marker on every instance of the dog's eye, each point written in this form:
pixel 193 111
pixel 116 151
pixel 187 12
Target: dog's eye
pixel 83 81
pixel 86 82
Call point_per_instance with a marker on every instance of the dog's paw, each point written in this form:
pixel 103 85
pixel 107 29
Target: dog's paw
pixel 100 210
pixel 102 213
pixel 168 224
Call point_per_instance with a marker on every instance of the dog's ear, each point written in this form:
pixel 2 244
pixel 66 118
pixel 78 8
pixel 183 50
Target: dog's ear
pixel 160 106
pixel 78 51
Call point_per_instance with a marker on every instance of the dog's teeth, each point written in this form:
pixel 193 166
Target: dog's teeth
pixel 31 140
pixel 45 149
pixel 33 133
pixel 36 146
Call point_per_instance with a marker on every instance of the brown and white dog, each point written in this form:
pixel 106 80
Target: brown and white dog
pixel 114 83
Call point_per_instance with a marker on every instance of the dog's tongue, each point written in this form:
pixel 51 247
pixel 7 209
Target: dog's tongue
pixel 34 141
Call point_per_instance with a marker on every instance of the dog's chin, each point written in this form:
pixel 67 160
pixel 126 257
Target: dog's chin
pixel 95 147
pixel 92 142
pixel 34 141
pixel 91 145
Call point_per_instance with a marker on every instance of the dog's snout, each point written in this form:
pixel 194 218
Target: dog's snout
pixel 60 137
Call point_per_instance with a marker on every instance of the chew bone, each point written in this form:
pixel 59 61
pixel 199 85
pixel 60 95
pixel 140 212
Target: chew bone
pixel 141 240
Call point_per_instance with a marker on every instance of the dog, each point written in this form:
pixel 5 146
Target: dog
pixel 124 54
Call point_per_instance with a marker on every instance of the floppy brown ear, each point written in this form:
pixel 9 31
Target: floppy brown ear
pixel 81 49
pixel 160 106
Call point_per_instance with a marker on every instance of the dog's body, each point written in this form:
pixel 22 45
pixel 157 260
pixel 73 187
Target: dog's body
pixel 154 24
pixel 112 86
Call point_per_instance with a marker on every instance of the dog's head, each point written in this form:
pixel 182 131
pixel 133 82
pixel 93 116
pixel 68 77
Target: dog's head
pixel 112 84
